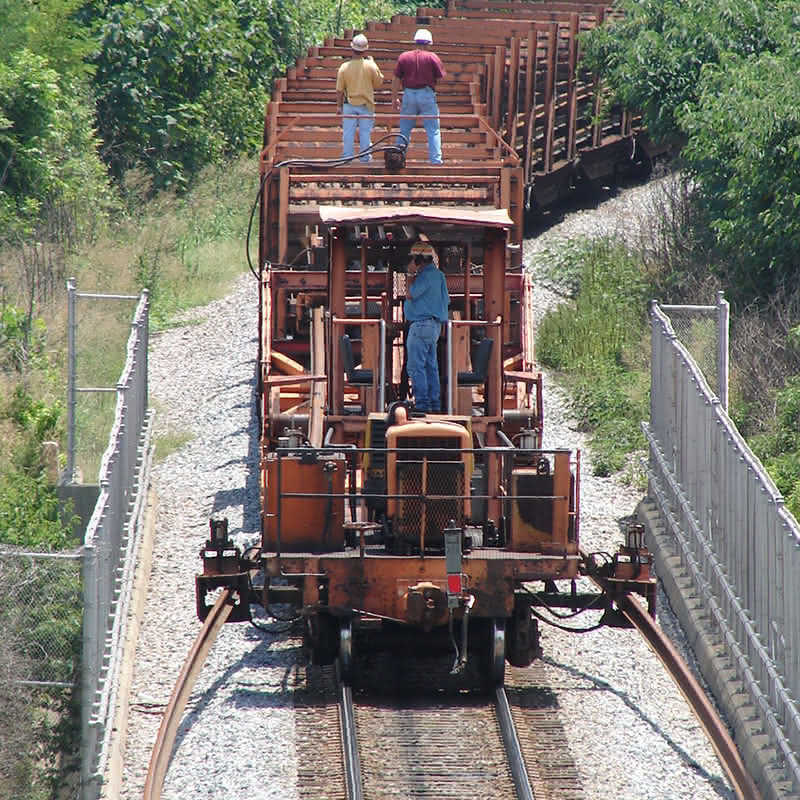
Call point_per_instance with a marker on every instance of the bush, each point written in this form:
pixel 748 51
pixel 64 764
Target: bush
pixel 779 447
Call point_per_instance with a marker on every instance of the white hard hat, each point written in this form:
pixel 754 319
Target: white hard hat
pixel 359 43
pixel 423 36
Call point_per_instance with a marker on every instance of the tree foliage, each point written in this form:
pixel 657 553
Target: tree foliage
pixel 722 78
pixel 183 84
pixel 745 154
pixel 48 157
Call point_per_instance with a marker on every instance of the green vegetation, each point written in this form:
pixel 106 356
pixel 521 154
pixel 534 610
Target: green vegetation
pixel 721 78
pixel 595 339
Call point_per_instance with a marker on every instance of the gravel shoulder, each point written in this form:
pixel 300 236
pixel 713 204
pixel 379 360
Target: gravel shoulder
pixel 630 732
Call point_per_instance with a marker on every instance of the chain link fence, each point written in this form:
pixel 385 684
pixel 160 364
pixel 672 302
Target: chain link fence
pixel 41 616
pixel 703 331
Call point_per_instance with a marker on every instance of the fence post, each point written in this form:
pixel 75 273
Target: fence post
pixel 90 669
pixel 71 379
pixel 723 322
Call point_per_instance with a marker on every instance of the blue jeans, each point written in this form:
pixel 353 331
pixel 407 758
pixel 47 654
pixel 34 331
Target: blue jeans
pixel 359 117
pixel 422 102
pixel 423 368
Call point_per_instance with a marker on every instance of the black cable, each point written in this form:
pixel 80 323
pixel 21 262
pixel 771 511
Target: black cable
pixel 565 627
pixel 376 147
pixel 265 629
pixel 557 614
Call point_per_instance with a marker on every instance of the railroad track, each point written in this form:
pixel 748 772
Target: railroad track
pixel 400 735
pixel 412 742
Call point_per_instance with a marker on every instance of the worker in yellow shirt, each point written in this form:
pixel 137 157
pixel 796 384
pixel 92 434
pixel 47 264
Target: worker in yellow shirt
pixel 356 82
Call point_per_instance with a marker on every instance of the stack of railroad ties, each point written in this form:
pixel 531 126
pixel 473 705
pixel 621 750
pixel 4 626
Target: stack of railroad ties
pixel 519 119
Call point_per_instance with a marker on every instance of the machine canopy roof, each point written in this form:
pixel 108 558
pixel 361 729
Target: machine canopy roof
pixel 342 215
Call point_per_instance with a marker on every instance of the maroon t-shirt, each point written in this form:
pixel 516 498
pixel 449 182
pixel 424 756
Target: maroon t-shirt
pixel 418 69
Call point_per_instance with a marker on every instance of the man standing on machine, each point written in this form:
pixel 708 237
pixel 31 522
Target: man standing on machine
pixel 425 309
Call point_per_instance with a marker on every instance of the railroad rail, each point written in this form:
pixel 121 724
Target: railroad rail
pixel 515 751
pixel 162 750
pixel 703 709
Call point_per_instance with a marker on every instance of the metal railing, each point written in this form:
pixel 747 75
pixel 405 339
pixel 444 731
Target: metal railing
pixel 110 544
pixel 733 534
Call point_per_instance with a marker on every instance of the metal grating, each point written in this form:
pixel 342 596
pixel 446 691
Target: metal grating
pixel 430 503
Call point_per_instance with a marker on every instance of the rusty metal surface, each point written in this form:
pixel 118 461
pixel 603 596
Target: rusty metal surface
pixel 162 750
pixel 496 218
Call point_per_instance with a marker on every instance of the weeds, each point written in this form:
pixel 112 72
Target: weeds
pixel 593 339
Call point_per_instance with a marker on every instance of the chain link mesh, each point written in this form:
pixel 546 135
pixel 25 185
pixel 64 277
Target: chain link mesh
pixel 41 616
pixel 696 330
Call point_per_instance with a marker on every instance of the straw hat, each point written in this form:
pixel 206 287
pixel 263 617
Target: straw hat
pixel 424 249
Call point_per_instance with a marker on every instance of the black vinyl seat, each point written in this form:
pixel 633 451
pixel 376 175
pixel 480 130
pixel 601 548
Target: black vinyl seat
pixel 480 365
pixel 356 377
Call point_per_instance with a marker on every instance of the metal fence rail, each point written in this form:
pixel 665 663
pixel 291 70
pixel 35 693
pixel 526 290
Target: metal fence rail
pixel 109 546
pixel 734 535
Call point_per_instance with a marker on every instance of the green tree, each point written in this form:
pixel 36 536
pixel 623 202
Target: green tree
pixel 51 179
pixel 173 88
pixel 744 155
pixel 721 77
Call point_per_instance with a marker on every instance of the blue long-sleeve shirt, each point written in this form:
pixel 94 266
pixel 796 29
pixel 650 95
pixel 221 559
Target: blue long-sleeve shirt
pixel 428 297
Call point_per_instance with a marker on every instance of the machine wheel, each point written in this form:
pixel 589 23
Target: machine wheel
pixel 496 655
pixel 346 652
pixel 321 639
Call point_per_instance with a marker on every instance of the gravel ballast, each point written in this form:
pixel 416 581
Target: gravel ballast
pixel 631 734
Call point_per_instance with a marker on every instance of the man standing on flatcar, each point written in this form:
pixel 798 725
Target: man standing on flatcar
pixel 427 301
pixel 418 70
pixel 356 82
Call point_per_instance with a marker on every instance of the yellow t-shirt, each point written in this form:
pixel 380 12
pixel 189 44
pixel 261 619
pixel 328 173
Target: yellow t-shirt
pixel 358 79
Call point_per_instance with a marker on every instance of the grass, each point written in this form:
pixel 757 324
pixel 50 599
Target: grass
pixel 186 251
pixel 172 441
pixel 595 339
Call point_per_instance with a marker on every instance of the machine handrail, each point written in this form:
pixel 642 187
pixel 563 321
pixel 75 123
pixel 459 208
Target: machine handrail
pixel 381 371
pixel 451 392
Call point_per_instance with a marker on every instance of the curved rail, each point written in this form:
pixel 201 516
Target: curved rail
pixel 519 773
pixel 706 714
pixel 162 750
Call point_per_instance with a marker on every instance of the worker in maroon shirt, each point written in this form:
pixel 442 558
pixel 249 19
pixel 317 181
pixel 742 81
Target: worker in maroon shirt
pixel 418 70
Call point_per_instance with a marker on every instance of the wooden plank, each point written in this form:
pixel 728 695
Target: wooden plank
pixel 549 86
pixel 572 103
pixel 497 83
pixel 348 194
pixel 286 365
pixel 511 102
pixel 370 359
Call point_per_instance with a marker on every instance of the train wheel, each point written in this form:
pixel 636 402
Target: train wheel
pixel 346 652
pixel 321 639
pixel 496 672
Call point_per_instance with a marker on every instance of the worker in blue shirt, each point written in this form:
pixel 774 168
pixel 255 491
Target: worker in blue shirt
pixel 426 309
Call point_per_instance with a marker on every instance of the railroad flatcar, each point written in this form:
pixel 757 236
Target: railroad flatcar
pixel 383 526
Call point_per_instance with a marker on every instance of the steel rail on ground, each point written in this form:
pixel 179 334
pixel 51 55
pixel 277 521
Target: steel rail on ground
pixel 706 714
pixel 519 774
pixel 162 750
pixel 352 762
